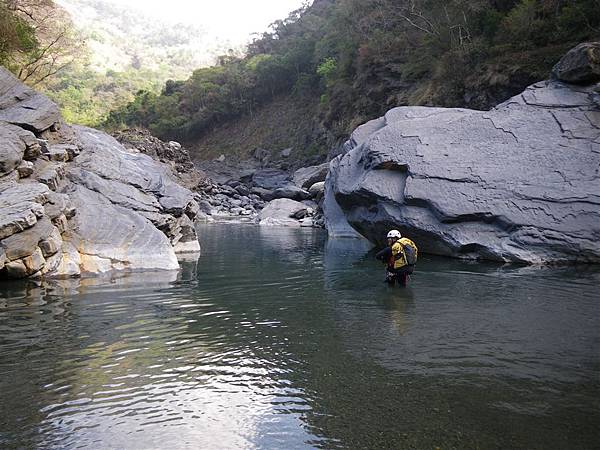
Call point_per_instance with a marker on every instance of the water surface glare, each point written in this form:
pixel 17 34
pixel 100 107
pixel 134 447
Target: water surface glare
pixel 279 338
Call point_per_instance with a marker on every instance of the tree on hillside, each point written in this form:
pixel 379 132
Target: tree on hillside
pixel 16 36
pixel 37 39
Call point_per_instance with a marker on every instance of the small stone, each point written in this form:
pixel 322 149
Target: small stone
pixel 44 146
pixel 307 222
pixel 16 269
pixel 205 206
pixel 25 169
pixel 58 153
pixel 301 214
pixel 61 223
pixel 242 189
pixel 57 204
pixel 317 189
pixel 291 191
pixel 72 151
pixel 33 150
pixel 34 262
pixel 52 263
pixel 51 244
pixel 51 177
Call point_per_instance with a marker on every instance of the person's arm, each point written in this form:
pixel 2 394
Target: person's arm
pixel 384 255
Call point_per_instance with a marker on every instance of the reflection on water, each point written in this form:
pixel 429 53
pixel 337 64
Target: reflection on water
pixel 278 338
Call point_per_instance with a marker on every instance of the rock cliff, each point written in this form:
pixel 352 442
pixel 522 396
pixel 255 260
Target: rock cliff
pixel 73 201
pixel 518 183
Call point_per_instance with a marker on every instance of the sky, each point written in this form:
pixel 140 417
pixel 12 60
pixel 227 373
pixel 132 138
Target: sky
pixel 230 19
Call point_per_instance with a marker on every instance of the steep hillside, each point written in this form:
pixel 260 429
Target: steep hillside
pixel 287 122
pixel 358 58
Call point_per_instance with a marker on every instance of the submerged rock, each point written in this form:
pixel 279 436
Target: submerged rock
pixel 518 183
pixel 78 202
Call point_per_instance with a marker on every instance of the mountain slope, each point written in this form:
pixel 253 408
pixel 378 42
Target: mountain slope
pixel 358 58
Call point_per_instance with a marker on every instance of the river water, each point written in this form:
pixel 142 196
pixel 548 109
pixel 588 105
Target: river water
pixel 279 338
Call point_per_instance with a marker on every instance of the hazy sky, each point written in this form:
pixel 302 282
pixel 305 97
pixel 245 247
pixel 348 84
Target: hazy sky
pixel 232 19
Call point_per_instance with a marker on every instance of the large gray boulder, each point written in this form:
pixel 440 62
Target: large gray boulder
pixel 518 183
pixel 281 212
pixel 581 65
pixel 77 202
pixel 291 191
pixel 305 177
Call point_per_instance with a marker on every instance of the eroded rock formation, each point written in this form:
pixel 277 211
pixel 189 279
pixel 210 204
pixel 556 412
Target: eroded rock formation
pixel 518 183
pixel 74 201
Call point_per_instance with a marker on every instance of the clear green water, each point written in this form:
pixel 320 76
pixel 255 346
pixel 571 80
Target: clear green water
pixel 278 338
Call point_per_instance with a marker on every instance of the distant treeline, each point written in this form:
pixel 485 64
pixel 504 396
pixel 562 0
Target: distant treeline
pixel 362 57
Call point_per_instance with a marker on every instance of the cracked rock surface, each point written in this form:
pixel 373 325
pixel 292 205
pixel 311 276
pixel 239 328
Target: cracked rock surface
pixel 518 183
pixel 73 201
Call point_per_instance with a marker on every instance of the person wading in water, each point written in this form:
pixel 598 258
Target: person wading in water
pixel 400 256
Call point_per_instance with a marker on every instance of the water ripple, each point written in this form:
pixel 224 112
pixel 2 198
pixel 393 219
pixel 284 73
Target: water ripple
pixel 300 348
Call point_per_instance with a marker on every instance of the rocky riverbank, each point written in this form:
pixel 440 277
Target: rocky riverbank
pixel 519 183
pixel 74 201
pixel 247 191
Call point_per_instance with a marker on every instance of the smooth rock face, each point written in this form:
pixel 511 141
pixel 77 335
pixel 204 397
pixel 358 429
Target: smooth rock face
pixel 77 202
pixel 581 65
pixel 143 208
pixel 117 239
pixel 517 183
